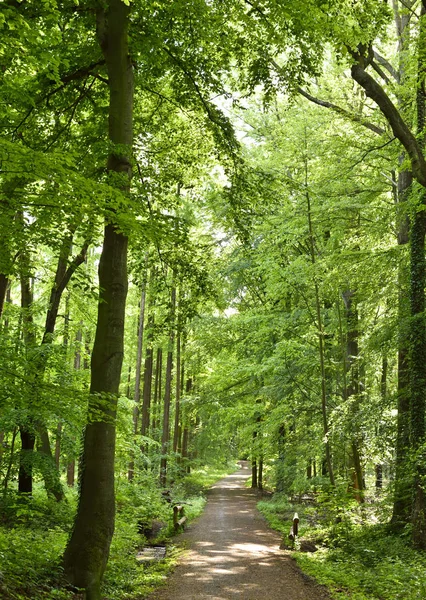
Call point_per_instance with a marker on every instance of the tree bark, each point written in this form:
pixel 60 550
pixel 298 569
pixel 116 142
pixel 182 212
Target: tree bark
pixel 138 370
pixel 27 433
pixel 147 378
pixel 177 399
pixel 280 465
pixel 260 475
pixel 156 408
pixel 87 551
pixel 352 392
pixel 4 282
pixel 63 275
pixel 418 372
pixel 254 456
pixel 418 321
pixel 165 438
pixel 25 476
pixel 378 468
pixel 253 473
pixel 320 330
pixel 185 428
pixel 401 512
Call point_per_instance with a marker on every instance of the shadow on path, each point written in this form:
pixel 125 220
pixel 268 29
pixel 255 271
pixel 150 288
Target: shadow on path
pixel 234 555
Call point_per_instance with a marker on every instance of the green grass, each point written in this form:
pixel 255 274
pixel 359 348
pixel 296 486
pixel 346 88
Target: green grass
pixel 357 560
pixel 34 533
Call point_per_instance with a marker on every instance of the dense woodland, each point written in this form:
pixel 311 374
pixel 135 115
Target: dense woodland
pixel 212 247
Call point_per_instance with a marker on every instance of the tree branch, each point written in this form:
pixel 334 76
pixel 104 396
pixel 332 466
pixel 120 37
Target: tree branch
pixel 342 111
pixel 386 64
pixel 400 129
pixel 380 72
pixel 62 278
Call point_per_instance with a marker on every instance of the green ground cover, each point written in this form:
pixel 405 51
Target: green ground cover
pixel 357 557
pixel 33 534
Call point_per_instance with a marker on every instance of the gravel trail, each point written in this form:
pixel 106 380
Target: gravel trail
pixel 233 555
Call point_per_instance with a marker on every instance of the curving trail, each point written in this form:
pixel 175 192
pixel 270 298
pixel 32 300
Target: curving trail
pixel 233 555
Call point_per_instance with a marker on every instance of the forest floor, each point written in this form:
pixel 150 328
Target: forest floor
pixel 233 554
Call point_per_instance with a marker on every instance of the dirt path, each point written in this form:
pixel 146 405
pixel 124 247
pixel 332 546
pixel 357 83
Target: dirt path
pixel 234 555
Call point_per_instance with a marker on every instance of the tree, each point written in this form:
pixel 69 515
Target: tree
pixel 86 555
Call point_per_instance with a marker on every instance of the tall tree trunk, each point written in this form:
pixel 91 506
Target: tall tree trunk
pixel 383 396
pixel 4 282
pixel 254 456
pixel 137 393
pixel 320 330
pixel 280 464
pixel 147 378
pixel 25 476
pixel 418 372
pixel 185 428
pixel 71 473
pixel 260 475
pixel 64 272
pixel 156 409
pixel 352 392
pixel 177 399
pixel 77 367
pixel 402 502
pixel 165 438
pixel 87 551
pixel 27 433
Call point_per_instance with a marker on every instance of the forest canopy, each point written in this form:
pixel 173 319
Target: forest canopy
pixel 212 247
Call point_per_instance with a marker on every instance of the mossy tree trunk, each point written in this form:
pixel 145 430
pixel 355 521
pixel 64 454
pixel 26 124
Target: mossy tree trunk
pixel 87 551
pixel 418 322
pixel 418 373
pixel 402 494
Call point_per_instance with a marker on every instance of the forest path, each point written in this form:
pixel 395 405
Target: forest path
pixel 232 554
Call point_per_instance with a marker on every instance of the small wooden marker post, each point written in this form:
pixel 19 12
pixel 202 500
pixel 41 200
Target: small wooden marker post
pixel 294 529
pixel 179 518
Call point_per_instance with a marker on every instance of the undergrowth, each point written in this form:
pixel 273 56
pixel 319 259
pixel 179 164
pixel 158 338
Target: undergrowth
pixel 357 557
pixel 34 532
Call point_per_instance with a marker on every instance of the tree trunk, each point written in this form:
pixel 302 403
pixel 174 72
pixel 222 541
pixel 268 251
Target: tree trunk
pixel 4 282
pixel 352 392
pixel 418 373
pixel 63 275
pixel 165 438
pixel 378 469
pixel 280 465
pixel 402 493
pixel 147 379
pixel 418 322
pixel 27 434
pixel 254 452
pixel 71 473
pixel 185 428
pixel 320 331
pixel 383 396
pixel 25 476
pixel 137 393
pixel 87 551
pixel 177 399
pixel 156 408
pixel 260 475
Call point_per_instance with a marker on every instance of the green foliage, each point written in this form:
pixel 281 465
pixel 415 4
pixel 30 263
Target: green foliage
pixel 355 558
pixel 30 563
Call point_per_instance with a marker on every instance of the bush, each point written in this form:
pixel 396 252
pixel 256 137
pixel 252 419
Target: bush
pixel 357 559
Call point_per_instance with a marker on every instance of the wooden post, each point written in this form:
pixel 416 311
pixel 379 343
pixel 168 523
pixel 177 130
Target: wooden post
pixel 294 529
